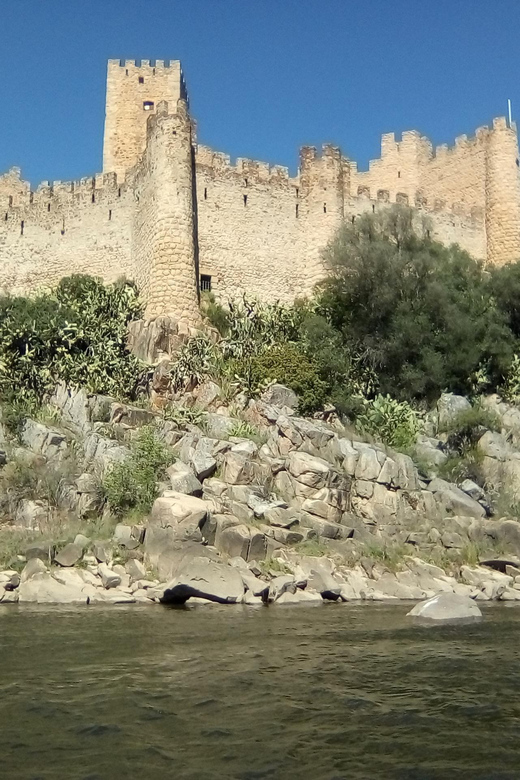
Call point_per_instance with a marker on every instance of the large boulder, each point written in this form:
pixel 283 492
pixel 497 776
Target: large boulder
pixel 453 500
pixel 446 606
pixel 44 589
pixel 449 407
pixel 175 520
pixel 206 579
pixel 280 395
pixel 308 469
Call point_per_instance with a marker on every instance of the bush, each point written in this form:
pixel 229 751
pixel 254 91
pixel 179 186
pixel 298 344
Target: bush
pixel 394 422
pixel 420 315
pixel 75 333
pixel 132 483
pixel 467 427
pixel 288 365
pixel 198 359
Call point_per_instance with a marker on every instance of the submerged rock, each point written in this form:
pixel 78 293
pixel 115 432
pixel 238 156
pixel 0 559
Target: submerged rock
pixel 446 606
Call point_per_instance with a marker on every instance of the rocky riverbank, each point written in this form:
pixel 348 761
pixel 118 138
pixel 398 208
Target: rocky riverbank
pixel 260 506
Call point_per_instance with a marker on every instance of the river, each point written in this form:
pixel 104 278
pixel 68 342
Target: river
pixel 333 692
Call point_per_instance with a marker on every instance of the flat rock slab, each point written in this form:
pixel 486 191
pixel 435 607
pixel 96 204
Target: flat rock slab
pixel 446 606
pixel 70 555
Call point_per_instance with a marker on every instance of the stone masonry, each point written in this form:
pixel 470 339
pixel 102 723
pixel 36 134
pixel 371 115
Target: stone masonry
pixel 177 216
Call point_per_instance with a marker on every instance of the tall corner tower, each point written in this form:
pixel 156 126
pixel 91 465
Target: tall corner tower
pixel 133 92
pixel 502 193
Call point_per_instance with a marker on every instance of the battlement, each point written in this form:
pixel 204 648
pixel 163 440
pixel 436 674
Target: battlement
pixel 16 195
pixel 244 170
pixel 143 64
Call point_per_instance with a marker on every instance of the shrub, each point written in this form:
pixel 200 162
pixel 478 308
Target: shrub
pixel 254 326
pixel 465 465
pixel 288 365
pixel 132 483
pixel 75 333
pixel 396 423
pixel 511 387
pixel 198 359
pixel 467 427
pixel 184 415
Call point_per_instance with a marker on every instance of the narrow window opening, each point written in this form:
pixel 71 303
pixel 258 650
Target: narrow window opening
pixel 153 71
pixel 324 208
pixel 141 80
pixel 373 208
pixel 10 200
pixel 6 216
pixel 353 220
pixel 93 197
pixel 297 192
pixel 205 283
pixel 245 200
pixel 126 72
pixel 427 234
pixel 31 197
pixel 148 105
pixel 398 174
pixel 48 206
pixel 63 227
pixel 119 192
pixel 110 213
pixel 205 193
pixel 22 227
pixel 297 211
pixel 245 182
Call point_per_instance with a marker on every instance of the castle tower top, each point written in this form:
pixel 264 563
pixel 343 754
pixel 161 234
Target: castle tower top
pixel 134 88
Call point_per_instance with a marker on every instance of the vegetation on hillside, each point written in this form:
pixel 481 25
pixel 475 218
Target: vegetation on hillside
pixel 399 320
pixel 75 333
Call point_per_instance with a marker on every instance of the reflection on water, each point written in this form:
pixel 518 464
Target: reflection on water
pixel 305 693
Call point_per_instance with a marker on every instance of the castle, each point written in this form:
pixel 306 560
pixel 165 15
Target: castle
pixel 179 217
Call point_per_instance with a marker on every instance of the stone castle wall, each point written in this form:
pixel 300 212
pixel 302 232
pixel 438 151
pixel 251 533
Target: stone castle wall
pixel 63 228
pixel 167 210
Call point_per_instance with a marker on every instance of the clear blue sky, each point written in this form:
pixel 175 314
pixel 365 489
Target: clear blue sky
pixel 264 76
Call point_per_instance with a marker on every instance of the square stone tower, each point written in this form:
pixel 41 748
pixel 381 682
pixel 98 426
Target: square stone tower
pixel 133 92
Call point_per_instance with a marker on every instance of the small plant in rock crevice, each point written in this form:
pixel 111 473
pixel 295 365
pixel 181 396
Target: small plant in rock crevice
pixel 132 483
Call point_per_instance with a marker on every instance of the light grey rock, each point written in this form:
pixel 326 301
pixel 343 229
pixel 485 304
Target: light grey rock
pixel 261 505
pixel 124 537
pixel 32 568
pixel 454 500
pixel 82 541
pixel 237 467
pixel 135 570
pixel 256 586
pixel 203 464
pixel 308 469
pixel 207 393
pixel 287 536
pixel 234 541
pixel 280 395
pixel 325 528
pixel 219 425
pixel 282 584
pixel 203 578
pixel 368 466
pixel 281 517
pixel 451 539
pixel 43 440
pixel 44 589
pixel 100 552
pixel 31 515
pixel 71 554
pixel 449 407
pixel 473 490
pixel 446 606
pixel 494 445
pixel 109 578
pixel 183 480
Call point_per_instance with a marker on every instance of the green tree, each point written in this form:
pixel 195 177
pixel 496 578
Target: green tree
pixel 418 314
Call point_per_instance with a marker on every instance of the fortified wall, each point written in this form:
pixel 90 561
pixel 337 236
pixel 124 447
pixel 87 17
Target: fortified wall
pixel 179 217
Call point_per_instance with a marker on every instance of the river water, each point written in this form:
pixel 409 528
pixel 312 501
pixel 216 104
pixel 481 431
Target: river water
pixel 331 692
